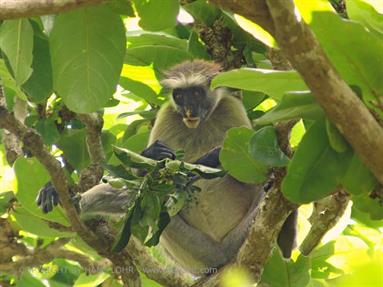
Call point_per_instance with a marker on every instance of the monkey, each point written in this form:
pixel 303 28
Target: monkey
pixel 208 231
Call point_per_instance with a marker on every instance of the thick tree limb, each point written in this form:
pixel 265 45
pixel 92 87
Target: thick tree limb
pixel 326 214
pixel 11 9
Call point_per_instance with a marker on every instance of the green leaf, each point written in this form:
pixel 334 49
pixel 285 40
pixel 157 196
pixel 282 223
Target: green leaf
pixel 87 65
pixel 270 82
pixel 39 86
pixel 143 38
pixel 151 206
pixel 141 90
pixel 252 99
pixel 157 15
pixel 163 221
pixel 336 139
pixel 364 218
pixel 48 130
pixel 279 272
pixel 162 57
pixel 196 48
pixel 367 13
pixel 292 106
pixel 358 64
pixel 358 179
pixel 5 201
pixel 16 41
pixel 32 224
pixel 73 144
pixel 366 204
pixel 265 148
pixel 315 169
pixel 137 142
pixel 236 158
pixel 123 7
pixel 91 280
pixel 203 12
pixel 11 88
pixel 31 177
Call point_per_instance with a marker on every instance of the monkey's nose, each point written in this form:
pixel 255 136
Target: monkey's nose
pixel 188 113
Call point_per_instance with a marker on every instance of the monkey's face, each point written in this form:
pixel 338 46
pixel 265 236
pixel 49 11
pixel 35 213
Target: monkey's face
pixel 194 104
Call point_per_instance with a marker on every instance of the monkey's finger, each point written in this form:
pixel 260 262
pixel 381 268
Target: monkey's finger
pixel 166 154
pixel 38 198
pixel 55 198
pixel 47 203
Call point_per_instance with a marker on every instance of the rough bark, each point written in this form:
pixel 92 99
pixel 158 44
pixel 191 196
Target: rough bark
pixel 11 9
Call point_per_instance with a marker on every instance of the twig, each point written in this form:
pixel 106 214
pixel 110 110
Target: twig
pixel 325 215
pixel 92 175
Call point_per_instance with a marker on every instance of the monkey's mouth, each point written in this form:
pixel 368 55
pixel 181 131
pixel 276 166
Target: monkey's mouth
pixel 191 123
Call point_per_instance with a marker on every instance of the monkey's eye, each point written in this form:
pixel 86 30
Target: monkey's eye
pixel 177 97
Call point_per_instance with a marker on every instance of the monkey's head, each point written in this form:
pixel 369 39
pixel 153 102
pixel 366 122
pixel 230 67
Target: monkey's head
pixel 191 96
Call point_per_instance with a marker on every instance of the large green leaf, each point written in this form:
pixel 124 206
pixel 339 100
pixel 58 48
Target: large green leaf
pixel 366 13
pixel 203 12
pixel 39 86
pixel 279 272
pixel 87 50
pixel 264 148
pixel 143 38
pixel 273 83
pixel 292 106
pixel 236 158
pixel 16 41
pixel 141 90
pixel 32 224
pixel 31 177
pixel 157 15
pixel 315 169
pixel 162 57
pixel 341 39
pixel 9 84
pixel 73 144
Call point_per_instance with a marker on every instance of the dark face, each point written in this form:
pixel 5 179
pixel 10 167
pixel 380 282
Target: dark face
pixel 193 103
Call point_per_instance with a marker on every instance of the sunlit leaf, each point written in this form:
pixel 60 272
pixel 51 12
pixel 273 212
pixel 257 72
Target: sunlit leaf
pixel 293 106
pixel 157 15
pixel 315 169
pixel 270 82
pixel 16 41
pixel 236 158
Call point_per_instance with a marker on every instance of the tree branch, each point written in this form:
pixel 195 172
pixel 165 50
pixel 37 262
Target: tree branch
pixel 325 215
pixel 11 9
pixel 92 175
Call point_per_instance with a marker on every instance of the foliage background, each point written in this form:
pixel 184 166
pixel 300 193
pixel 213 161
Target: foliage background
pixel 109 59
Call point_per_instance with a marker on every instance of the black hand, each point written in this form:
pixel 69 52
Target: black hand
pixel 47 198
pixel 158 151
pixel 211 159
